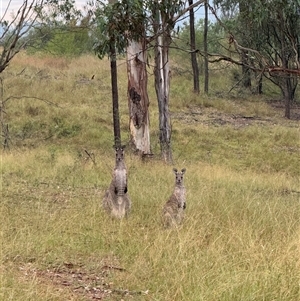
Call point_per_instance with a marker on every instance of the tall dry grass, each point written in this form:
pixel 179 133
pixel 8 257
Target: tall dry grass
pixel 240 237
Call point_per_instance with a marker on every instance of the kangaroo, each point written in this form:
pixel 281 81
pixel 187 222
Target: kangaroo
pixel 173 211
pixel 116 200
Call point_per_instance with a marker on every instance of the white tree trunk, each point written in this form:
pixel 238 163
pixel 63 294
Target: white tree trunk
pixel 162 87
pixel 138 100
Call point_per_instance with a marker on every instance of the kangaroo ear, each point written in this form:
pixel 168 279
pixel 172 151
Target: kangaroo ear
pixel 183 170
pixel 123 147
pixel 175 170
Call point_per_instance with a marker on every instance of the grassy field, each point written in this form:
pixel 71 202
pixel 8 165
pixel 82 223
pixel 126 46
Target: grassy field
pixel 240 239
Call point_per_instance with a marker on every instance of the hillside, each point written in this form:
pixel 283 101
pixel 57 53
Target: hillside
pixel 240 239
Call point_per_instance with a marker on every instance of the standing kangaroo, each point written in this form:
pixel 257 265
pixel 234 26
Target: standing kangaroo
pixel 116 200
pixel 173 211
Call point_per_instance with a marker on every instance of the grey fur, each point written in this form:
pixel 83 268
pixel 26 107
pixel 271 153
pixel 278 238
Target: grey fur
pixel 173 211
pixel 116 200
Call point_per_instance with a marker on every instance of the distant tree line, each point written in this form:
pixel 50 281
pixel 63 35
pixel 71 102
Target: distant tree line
pixel 61 39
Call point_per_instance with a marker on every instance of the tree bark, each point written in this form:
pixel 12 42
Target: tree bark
pixel 244 12
pixel 288 89
pixel 115 96
pixel 206 75
pixel 193 50
pixel 286 80
pixel 163 23
pixel 162 85
pixel 246 71
pixel 287 99
pixel 138 100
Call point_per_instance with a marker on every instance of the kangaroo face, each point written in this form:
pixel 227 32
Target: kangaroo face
pixel 179 176
pixel 120 153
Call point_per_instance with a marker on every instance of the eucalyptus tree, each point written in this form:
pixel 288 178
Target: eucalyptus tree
pixel 121 29
pixel 194 62
pixel 137 58
pixel 165 14
pixel 205 44
pixel 110 43
pixel 267 38
pixel 280 21
pixel 135 26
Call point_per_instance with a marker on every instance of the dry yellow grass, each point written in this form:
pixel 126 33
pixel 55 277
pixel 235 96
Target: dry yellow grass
pixel 241 233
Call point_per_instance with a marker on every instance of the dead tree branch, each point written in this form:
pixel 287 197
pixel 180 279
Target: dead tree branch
pixel 261 66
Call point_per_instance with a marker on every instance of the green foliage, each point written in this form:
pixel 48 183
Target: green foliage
pixel 116 24
pixel 168 10
pixel 122 21
pixel 270 31
pixel 39 37
pixel 67 39
pixel 215 36
pixel 53 11
pixel 65 43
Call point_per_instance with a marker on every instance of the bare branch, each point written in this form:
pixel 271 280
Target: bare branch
pixel 31 97
pixel 16 29
pixel 263 66
pixel 184 11
pixel 92 157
